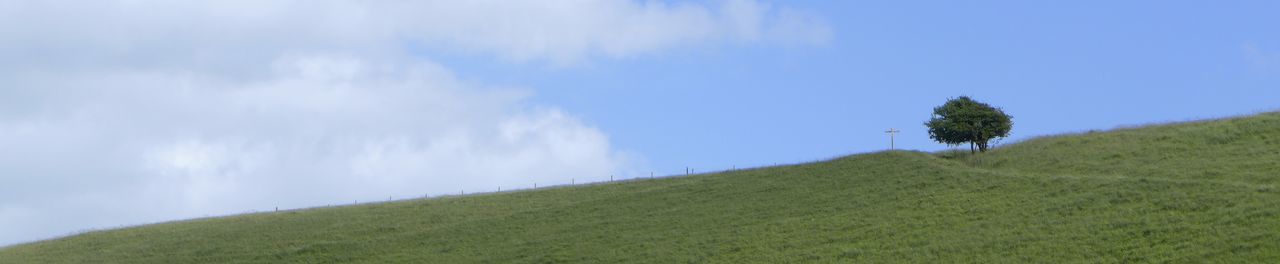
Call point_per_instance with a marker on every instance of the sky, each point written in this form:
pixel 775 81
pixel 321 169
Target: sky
pixel 120 113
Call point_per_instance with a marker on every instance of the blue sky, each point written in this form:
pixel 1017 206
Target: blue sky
pixel 117 113
pixel 1057 67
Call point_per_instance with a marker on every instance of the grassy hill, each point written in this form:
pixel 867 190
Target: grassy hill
pixel 1189 192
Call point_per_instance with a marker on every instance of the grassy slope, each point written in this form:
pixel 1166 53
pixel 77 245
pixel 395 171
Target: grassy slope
pixel 1239 150
pixel 1184 192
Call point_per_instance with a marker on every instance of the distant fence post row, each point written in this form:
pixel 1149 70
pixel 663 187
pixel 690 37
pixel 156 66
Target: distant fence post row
pixel 572 182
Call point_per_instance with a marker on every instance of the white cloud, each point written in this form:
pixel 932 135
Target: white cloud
pixel 320 130
pixel 562 32
pixel 127 112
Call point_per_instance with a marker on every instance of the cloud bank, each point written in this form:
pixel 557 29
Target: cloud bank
pixel 163 33
pixel 128 112
pixel 154 145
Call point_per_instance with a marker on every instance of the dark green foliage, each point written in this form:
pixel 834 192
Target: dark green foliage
pixel 1187 193
pixel 963 120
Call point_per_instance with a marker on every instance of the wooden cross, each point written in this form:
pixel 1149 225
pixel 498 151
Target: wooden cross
pixel 891 132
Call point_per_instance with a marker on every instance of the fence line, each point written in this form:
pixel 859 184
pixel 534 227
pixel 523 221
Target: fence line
pixel 573 182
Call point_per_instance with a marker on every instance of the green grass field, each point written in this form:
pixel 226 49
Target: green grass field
pixel 1188 192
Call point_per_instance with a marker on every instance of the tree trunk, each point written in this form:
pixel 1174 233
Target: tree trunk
pixel 982 146
pixel 971 151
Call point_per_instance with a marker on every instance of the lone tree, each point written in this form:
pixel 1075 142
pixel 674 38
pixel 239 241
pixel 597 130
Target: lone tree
pixel 963 120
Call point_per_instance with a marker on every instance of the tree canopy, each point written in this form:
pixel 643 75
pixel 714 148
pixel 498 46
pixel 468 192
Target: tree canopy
pixel 964 120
